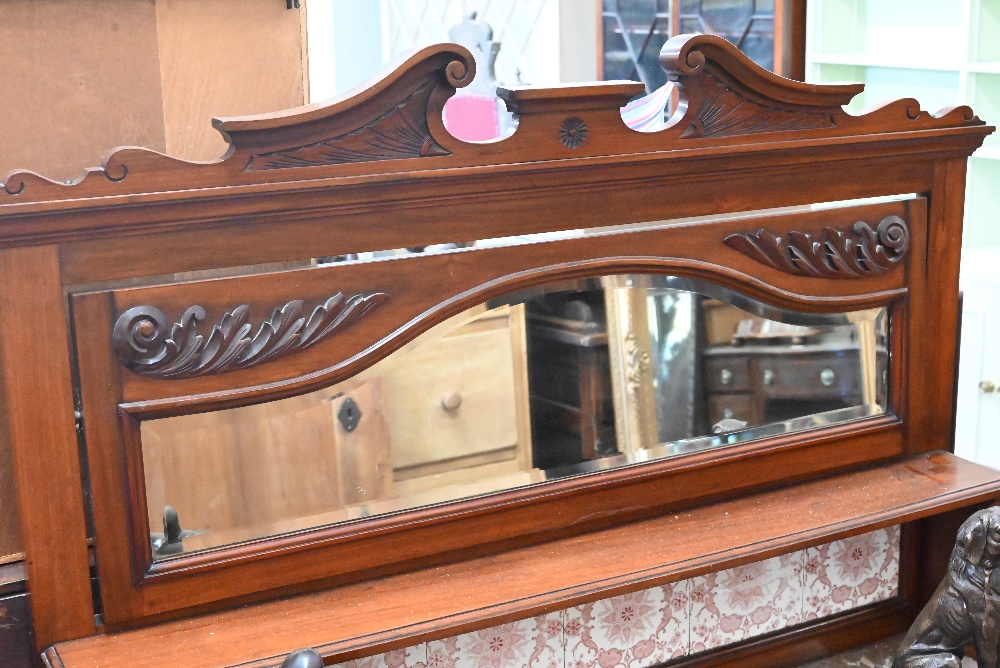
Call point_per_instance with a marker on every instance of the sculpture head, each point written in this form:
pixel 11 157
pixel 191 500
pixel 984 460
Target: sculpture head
pixel 979 537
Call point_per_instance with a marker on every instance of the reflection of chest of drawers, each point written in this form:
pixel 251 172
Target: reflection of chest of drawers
pixel 760 384
pixel 444 415
pixel 459 405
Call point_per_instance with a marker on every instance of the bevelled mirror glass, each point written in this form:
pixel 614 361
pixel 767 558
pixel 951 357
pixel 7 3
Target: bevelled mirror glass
pixel 562 379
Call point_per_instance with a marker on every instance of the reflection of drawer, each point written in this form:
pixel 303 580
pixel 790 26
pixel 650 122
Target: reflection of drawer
pixel 731 407
pixel 820 377
pixel 452 402
pixel 727 374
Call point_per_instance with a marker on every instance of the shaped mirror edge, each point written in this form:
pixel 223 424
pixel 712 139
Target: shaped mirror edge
pixel 564 379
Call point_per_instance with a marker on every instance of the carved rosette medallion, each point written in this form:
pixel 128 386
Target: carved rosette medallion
pixel 859 252
pixel 148 345
pixel 573 132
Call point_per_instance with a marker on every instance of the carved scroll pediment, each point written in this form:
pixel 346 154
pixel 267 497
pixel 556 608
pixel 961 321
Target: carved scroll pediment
pixel 387 120
pixel 722 98
pixel 726 113
pixel 723 93
pixel 859 252
pixel 400 133
pixel 146 344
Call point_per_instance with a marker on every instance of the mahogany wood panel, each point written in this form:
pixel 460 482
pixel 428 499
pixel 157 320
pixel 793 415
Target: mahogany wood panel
pixel 366 618
pixel 468 277
pixel 937 314
pixel 348 216
pixel 10 530
pixel 411 306
pixel 37 420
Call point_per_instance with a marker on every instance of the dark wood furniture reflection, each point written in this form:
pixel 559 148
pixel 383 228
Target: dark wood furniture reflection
pixel 572 410
pixel 759 384
pixel 105 339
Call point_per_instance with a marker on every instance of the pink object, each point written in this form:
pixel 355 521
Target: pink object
pixel 851 572
pixel 472 117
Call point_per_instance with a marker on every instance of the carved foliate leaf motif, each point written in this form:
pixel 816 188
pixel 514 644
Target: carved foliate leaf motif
pixel 856 253
pixel 399 133
pixel 144 344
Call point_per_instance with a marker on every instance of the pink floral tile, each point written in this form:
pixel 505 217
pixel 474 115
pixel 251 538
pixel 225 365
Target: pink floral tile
pixel 528 643
pixel 634 630
pixel 851 572
pixel 746 601
pixel 410 657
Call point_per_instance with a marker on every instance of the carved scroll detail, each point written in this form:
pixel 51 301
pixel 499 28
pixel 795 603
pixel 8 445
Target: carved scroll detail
pixel 856 253
pixel 399 133
pixel 143 342
pixel 727 114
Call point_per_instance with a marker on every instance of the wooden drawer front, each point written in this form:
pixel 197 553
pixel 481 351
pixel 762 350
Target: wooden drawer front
pixel 727 374
pixel 477 367
pixel 731 407
pixel 824 377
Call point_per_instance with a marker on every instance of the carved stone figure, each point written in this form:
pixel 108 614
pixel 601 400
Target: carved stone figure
pixel 965 608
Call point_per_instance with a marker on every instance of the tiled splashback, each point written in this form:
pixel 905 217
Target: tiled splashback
pixel 647 627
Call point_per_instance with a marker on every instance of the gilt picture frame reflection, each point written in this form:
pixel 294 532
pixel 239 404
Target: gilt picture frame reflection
pixel 563 379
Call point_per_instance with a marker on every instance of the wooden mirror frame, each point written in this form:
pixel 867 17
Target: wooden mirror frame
pixel 375 170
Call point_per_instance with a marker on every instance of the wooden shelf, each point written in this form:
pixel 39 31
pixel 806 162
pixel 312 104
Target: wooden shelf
pixel 397 611
pixel 863 59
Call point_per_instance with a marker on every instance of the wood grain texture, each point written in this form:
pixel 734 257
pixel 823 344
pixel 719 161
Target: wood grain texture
pixel 463 279
pixel 467 278
pixel 37 420
pixel 394 612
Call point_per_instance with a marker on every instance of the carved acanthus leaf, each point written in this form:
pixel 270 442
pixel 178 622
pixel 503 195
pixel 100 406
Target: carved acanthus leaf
pixel 399 133
pixel 856 253
pixel 145 344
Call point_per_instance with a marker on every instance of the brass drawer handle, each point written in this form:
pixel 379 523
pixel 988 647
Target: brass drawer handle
pixel 768 377
pixel 987 386
pixel 726 377
pixel 827 376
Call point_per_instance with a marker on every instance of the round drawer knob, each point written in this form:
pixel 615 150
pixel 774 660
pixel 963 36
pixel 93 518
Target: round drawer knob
pixel 827 376
pixel 727 413
pixel 451 401
pixel 768 377
pixel 726 377
pixel 987 386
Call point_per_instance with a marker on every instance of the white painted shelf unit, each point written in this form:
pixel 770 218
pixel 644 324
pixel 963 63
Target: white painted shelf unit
pixel 942 53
